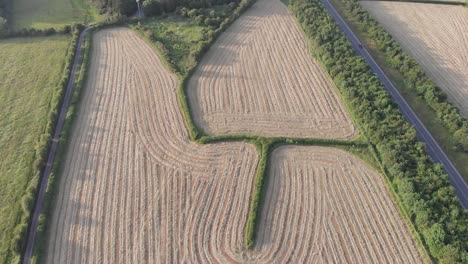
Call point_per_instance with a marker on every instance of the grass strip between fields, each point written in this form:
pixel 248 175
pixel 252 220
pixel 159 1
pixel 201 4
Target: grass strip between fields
pixel 42 147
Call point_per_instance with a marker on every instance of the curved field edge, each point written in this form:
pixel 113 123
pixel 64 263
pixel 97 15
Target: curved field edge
pixel 41 148
pixel 424 188
pixel 259 78
pixel 206 165
pixel 303 186
pixel 194 132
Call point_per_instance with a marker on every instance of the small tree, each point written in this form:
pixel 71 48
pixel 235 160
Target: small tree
pixel 152 8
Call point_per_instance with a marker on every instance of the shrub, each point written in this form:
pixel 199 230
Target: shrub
pixel 152 8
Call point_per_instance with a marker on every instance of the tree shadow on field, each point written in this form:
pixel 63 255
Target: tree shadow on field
pixel 446 67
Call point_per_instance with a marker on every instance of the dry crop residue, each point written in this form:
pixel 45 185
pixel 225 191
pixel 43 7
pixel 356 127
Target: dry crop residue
pixel 134 189
pixel 437 38
pixel 259 78
pixel 323 205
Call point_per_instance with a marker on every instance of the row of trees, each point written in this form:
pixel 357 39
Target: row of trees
pixel 414 75
pixel 422 186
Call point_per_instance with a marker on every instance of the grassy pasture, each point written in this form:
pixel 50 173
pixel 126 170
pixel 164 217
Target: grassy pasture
pixel 30 70
pixel 51 13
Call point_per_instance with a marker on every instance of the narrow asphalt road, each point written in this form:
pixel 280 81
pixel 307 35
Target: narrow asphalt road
pixel 52 151
pixel 434 150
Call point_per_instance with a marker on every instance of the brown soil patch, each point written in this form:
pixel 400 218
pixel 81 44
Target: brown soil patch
pixel 259 78
pixel 437 38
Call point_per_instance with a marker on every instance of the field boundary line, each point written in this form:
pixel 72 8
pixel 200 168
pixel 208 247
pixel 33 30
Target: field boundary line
pixel 52 151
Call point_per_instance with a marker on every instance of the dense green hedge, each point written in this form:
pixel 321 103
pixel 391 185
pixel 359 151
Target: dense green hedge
pixel 41 148
pixel 263 148
pixel 422 186
pixel 53 180
pixel 414 75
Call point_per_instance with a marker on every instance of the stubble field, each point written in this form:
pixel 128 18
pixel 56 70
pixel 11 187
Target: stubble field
pixel 323 205
pixel 437 38
pixel 135 190
pixel 259 78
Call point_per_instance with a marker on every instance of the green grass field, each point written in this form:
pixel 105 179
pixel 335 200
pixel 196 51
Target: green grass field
pixel 30 71
pixel 180 37
pixel 51 13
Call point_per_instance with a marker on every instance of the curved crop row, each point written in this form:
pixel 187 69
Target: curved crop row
pixel 132 180
pixel 259 78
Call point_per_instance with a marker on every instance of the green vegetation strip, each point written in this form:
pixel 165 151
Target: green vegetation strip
pixel 414 76
pixel 29 130
pixel 42 236
pixel 422 186
pixel 453 145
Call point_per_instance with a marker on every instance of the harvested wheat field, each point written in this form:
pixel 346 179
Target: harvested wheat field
pixel 259 78
pixel 436 36
pixel 134 189
pixel 323 205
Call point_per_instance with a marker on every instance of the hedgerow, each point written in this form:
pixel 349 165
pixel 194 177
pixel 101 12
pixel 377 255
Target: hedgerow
pixel 414 75
pixel 422 186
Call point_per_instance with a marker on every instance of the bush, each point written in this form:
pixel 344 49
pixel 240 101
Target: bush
pixel 152 8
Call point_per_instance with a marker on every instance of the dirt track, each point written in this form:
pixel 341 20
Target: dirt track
pixel 259 78
pixel 436 36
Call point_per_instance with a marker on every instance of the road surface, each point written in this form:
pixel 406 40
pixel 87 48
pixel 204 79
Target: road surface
pixel 52 152
pixel 433 149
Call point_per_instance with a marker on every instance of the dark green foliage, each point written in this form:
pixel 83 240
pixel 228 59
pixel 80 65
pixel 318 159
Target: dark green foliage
pixel 414 75
pixel 423 188
pixel 263 148
pixel 152 8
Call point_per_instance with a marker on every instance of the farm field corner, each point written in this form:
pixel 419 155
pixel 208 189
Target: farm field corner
pixel 30 72
pixel 436 36
pixel 259 78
